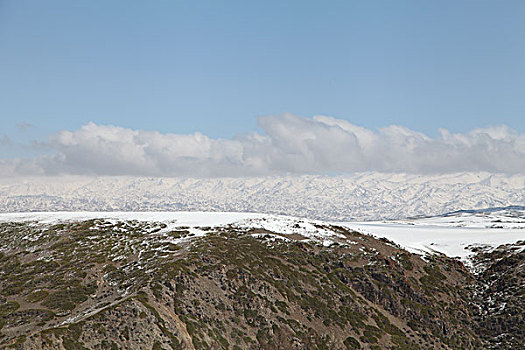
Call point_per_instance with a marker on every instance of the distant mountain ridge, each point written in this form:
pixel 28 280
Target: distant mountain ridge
pixel 486 210
pixel 362 196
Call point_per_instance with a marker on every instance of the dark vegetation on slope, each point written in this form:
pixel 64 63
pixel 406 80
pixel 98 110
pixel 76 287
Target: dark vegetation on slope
pixel 127 285
pixel 499 296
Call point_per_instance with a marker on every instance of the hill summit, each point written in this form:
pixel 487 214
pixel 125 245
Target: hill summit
pixel 245 281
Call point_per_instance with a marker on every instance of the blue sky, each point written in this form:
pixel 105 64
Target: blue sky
pixel 215 66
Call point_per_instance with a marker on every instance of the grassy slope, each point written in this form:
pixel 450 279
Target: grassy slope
pixel 101 285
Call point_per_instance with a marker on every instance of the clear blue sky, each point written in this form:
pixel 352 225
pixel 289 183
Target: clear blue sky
pixel 214 66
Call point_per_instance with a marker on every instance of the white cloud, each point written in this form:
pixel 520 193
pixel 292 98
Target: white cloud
pixel 288 144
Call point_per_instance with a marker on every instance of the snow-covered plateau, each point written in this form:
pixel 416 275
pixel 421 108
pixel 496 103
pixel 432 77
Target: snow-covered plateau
pixel 455 234
pixel 362 196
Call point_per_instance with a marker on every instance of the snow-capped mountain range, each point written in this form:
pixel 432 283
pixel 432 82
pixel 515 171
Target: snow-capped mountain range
pixel 363 196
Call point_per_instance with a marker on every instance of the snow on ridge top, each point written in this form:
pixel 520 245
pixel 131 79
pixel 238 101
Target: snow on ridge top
pixel 282 226
pixel 286 225
pixel 176 218
pixel 275 223
pixel 429 235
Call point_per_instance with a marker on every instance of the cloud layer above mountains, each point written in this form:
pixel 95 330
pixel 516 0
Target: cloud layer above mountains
pixel 288 144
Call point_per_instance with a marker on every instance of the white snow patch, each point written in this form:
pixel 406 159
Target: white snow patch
pixel 427 236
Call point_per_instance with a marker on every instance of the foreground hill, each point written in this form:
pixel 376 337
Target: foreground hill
pixel 244 281
pixel 363 196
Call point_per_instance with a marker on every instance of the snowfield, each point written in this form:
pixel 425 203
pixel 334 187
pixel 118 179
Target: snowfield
pixel 452 241
pixel 454 235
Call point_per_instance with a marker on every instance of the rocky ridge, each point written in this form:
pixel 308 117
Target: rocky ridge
pixel 257 284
